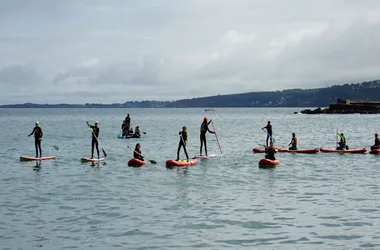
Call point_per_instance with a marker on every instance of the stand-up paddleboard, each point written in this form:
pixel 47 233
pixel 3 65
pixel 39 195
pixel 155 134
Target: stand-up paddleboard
pixel 27 158
pixel 267 163
pixel 136 162
pixel 204 156
pixel 181 163
pixel 85 159
pixel 348 151
pixel 375 151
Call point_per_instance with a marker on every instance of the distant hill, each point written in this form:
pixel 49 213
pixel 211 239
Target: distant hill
pixel 320 97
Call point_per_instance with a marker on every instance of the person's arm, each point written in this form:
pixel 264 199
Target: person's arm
pixel 31 133
pixel 41 133
pixel 290 142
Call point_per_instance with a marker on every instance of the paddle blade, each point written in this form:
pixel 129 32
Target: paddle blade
pixel 55 147
pixel 105 154
pixel 152 161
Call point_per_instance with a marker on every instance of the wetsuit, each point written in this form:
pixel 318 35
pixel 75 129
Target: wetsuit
pixel 270 153
pixel 137 133
pixel 293 143
pixel 127 123
pixel 269 132
pixel 137 154
pixel 342 143
pixel 204 129
pixel 94 142
pixel 377 144
pixel 182 142
pixel 37 131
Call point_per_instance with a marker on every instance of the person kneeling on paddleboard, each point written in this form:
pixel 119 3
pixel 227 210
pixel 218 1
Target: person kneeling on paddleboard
pixel 182 142
pixel 137 152
pixel 377 142
pixel 342 143
pixel 268 127
pixel 37 131
pixel 204 129
pixel 95 136
pixel 293 142
pixel 137 132
pixel 270 151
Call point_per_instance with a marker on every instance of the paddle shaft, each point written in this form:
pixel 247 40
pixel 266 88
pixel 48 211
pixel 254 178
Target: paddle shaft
pixel 216 136
pixel 268 134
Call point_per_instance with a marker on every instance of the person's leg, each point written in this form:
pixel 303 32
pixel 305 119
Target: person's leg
pixel 179 148
pixel 92 148
pixel 200 152
pixel 97 147
pixel 36 146
pixel 205 142
pixel 39 146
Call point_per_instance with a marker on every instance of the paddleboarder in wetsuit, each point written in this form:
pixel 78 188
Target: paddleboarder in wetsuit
pixel 293 142
pixel 37 131
pixel 204 129
pixel 137 152
pixel 182 142
pixel 270 151
pixel 127 122
pixel 95 136
pixel 268 127
pixel 377 142
pixel 342 143
pixel 137 132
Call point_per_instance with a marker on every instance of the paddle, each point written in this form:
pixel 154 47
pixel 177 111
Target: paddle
pixel 151 161
pixel 216 136
pixel 104 152
pixel 53 146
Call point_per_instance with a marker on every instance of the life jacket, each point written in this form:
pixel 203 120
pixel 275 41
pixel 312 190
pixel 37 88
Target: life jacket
pixel 377 142
pixel 343 140
pixel 294 142
pixel 271 151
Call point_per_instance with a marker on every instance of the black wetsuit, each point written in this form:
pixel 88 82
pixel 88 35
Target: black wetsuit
pixel 270 153
pixel 182 142
pixel 127 122
pixel 94 142
pixel 204 129
pixel 377 144
pixel 137 133
pixel 137 154
pixel 37 131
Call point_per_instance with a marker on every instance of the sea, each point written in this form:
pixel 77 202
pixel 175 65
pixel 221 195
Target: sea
pixel 321 201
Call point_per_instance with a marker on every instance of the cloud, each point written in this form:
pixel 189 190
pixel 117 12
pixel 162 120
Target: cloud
pixel 93 51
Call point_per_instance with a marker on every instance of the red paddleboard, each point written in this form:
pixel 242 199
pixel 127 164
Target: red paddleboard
pixel 27 158
pixel 375 151
pixel 85 159
pixel 204 156
pixel 136 162
pixel 181 163
pixel 266 163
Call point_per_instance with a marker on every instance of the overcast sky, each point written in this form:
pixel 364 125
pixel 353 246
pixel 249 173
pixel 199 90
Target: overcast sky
pixel 113 51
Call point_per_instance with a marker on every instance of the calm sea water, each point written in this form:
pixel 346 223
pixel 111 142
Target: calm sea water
pixel 322 201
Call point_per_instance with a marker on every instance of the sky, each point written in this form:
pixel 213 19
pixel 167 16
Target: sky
pixel 90 51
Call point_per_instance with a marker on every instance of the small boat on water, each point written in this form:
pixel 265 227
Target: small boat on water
pixel 209 109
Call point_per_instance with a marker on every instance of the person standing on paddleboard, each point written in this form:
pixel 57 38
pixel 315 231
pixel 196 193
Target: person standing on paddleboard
pixel 95 136
pixel 127 123
pixel 268 127
pixel 37 131
pixel 293 142
pixel 270 152
pixel 182 142
pixel 377 142
pixel 137 152
pixel 204 129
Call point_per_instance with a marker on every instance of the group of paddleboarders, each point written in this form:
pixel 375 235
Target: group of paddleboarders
pixel 127 129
